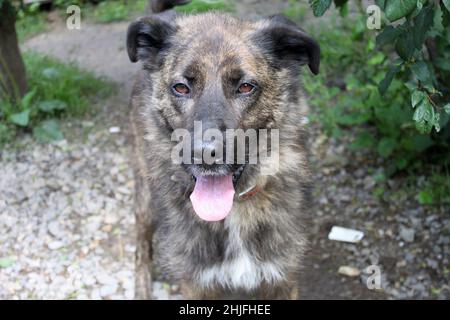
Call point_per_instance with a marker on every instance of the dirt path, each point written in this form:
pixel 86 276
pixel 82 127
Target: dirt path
pixel 70 233
pixel 96 47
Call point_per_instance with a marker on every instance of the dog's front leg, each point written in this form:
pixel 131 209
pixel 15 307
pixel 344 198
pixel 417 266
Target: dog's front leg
pixel 190 291
pixel 144 250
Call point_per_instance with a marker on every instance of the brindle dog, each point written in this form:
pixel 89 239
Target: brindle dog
pixel 228 73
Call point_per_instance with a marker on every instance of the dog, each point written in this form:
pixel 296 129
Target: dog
pixel 222 230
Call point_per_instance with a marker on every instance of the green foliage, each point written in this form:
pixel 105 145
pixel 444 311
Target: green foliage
pixel 48 130
pixel 319 6
pixel 436 190
pixel 56 90
pixel 397 9
pixel 295 11
pixel 30 22
pixel 387 88
pixel 198 6
pixel 424 66
pixel 116 10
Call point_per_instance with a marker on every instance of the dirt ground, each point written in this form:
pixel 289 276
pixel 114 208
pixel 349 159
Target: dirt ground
pixel 412 267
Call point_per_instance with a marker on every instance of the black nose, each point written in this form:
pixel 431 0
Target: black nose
pixel 207 152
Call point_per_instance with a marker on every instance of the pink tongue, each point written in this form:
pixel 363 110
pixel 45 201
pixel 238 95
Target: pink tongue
pixel 212 198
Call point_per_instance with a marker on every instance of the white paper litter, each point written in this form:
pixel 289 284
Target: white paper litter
pixel 114 130
pixel 349 271
pixel 345 234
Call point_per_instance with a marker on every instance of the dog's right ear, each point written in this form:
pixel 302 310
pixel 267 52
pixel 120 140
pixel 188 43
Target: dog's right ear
pixel 147 37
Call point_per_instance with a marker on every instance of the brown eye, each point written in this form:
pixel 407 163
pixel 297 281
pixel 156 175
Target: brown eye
pixel 181 88
pixel 246 88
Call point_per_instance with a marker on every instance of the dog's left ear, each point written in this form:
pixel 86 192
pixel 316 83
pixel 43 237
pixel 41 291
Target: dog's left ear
pixel 287 42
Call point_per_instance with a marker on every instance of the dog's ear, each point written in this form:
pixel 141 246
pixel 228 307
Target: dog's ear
pixel 288 43
pixel 147 36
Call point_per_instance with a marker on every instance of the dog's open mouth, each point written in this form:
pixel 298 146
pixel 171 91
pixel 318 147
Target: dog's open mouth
pixel 212 198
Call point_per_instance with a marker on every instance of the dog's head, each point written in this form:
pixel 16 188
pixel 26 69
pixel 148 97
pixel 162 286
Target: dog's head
pixel 224 73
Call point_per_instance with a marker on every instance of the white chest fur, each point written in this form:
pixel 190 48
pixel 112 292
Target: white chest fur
pixel 243 271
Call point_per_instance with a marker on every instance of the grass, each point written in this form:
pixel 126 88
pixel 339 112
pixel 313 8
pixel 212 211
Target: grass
pixel 30 25
pixel 56 90
pixel 33 22
pixel 116 10
pixel 296 10
pixel 198 6
pixel 66 82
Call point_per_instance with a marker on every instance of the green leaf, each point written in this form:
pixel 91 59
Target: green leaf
pixel 51 105
pixel 21 119
pixel 401 163
pixel 404 46
pixel 396 9
pixel 446 4
pixel 417 97
pixel 417 143
pixel 424 117
pixel 48 130
pixel 445 15
pixel 26 100
pixel 7 261
pixel 353 118
pixel 442 63
pixel 425 197
pixel 386 146
pixel 386 82
pixel 421 71
pixel 342 5
pixel 376 59
pixel 319 6
pixel 381 4
pixel 447 108
pixel 389 34
pixel 363 140
pixel 50 73
pixel 422 23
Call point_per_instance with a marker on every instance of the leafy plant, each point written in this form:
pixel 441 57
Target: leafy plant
pixel 390 87
pixel 30 21
pixel 436 190
pixel 57 90
pixel 422 45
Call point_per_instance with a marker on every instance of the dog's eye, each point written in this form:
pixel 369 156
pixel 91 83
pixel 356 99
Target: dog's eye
pixel 246 88
pixel 181 88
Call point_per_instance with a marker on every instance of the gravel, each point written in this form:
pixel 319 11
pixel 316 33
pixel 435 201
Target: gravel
pixel 407 241
pixel 407 234
pixel 63 222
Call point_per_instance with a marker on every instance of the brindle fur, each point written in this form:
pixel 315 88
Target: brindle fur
pixel 271 224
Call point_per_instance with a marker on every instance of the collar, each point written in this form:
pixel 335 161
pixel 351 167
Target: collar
pixel 249 193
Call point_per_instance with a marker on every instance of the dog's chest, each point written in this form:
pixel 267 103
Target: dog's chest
pixel 240 269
